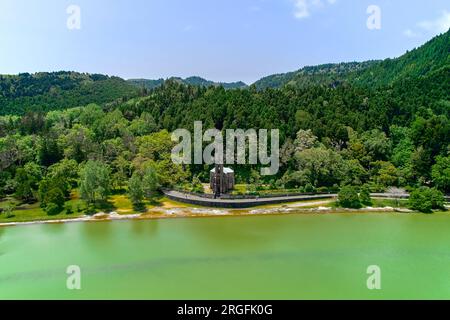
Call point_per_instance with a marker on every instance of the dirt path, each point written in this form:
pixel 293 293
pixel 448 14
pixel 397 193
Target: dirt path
pixel 310 204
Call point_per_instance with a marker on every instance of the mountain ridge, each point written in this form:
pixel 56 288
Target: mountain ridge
pixel 48 91
pixel 193 80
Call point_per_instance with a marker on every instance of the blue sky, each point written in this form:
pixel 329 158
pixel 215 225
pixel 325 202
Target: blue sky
pixel 221 40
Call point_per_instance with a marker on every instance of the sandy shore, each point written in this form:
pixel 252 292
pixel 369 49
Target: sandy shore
pixel 184 212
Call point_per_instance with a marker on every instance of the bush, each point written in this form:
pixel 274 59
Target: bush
pixel 364 196
pixel 425 199
pixel 197 185
pixel 54 201
pixel 374 187
pixel 348 198
pixel 68 209
pixel 309 188
pixel 9 211
pixel 52 209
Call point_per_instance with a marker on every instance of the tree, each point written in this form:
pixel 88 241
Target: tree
pixel 305 140
pixel 426 199
pixel 377 144
pixel 255 179
pixel 146 124
pixel 441 173
pixel 135 189
pixel 78 143
pixel 94 181
pixel 121 168
pixel 287 152
pixel 348 198
pixel 353 173
pixel 150 182
pixel 323 167
pixel 364 196
pixel 24 190
pixel 54 201
pixel 27 181
pixel 112 125
pixel 156 146
pixel 9 211
pixel 384 174
pixel 61 176
pixel 48 150
pixel 403 146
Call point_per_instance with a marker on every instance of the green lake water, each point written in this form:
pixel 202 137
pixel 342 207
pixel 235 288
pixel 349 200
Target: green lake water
pixel 257 257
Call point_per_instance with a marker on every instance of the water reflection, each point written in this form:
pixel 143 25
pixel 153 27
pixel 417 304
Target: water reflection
pixel 147 228
pixel 97 232
pixel 53 229
pixel 238 231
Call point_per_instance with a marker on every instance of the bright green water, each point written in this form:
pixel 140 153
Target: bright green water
pixel 270 257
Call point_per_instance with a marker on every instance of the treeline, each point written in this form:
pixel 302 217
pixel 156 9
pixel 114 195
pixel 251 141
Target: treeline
pixel 59 90
pixel 193 81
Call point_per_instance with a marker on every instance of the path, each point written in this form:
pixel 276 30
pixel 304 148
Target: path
pixel 254 202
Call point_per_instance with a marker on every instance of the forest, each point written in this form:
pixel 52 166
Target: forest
pixel 370 126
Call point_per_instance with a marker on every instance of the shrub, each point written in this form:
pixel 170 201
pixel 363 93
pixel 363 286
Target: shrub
pixel 197 185
pixel 52 209
pixel 68 209
pixel 425 199
pixel 322 190
pixel 437 199
pixel 54 201
pixel 55 196
pixel 8 210
pixel 348 198
pixel 364 196
pixel 309 188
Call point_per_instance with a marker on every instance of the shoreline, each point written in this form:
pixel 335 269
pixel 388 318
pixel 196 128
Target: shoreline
pixel 184 212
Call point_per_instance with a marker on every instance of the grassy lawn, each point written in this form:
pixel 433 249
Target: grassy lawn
pixel 381 203
pixel 33 212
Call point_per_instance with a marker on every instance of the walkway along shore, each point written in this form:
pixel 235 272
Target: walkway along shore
pixel 237 203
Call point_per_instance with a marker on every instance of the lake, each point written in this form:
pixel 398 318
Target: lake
pixel 315 256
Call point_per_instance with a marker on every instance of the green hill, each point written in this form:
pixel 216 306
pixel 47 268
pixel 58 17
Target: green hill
pixel 59 90
pixel 329 75
pixel 418 63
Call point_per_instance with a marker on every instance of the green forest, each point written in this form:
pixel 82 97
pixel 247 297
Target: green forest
pixel 370 126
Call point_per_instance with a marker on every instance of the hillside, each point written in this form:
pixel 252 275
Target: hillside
pixel 59 90
pixel 429 58
pixel 329 75
pixel 194 81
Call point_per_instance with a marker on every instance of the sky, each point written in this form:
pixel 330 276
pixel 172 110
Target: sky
pixel 220 40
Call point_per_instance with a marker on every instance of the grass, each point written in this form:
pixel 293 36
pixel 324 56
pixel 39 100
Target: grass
pixel 381 203
pixel 34 212
pixel 120 203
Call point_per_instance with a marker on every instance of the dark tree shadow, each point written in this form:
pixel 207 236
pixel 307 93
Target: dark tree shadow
pixel 140 207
